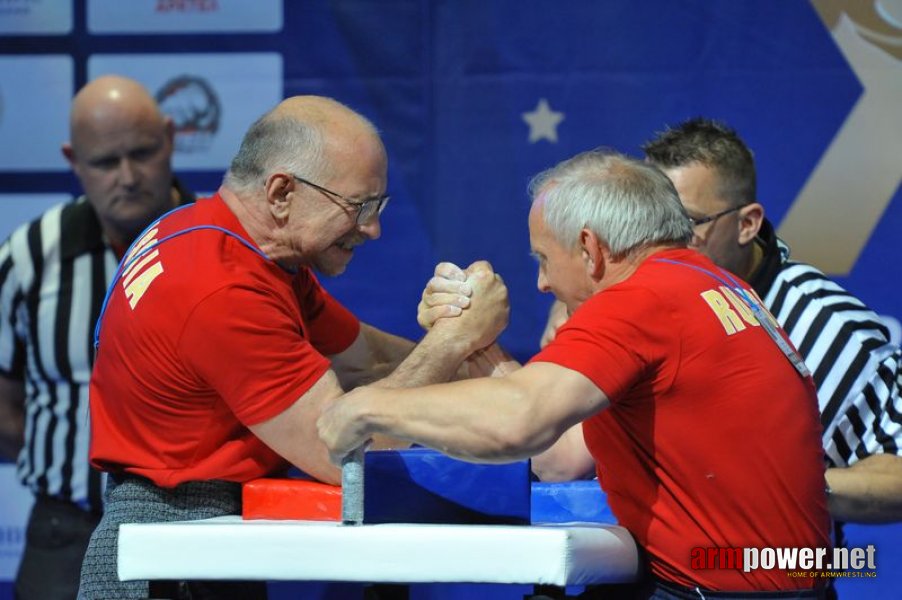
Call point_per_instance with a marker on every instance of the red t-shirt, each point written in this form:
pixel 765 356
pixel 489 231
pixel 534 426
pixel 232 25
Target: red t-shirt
pixel 202 337
pixel 712 438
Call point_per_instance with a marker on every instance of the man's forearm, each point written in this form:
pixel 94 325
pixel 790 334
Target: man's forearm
pixel 493 361
pixel 434 360
pixel 387 348
pixel 870 491
pixel 372 356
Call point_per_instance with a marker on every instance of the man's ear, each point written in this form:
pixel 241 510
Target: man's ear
pixel 68 154
pixel 278 186
pixel 592 250
pixel 751 217
pixel 169 128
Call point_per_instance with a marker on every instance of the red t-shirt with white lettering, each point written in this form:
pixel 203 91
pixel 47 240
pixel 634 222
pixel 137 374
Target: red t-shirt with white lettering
pixel 202 337
pixel 712 438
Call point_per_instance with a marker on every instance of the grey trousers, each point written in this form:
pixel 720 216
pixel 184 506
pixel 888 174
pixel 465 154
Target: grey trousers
pixel 137 500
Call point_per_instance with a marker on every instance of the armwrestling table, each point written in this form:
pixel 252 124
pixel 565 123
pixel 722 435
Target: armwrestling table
pixel 229 548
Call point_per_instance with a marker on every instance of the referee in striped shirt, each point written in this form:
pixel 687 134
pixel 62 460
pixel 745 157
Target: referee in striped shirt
pixel 856 368
pixel 54 273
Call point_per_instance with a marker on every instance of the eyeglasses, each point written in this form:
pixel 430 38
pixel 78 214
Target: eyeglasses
pixel 710 218
pixel 366 209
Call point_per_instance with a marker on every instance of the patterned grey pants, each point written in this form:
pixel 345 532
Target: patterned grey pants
pixel 137 500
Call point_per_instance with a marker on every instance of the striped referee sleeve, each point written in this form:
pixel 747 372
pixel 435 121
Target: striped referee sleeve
pixel 12 352
pixel 855 367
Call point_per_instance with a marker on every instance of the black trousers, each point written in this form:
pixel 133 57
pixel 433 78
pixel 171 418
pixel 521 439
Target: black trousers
pixel 55 541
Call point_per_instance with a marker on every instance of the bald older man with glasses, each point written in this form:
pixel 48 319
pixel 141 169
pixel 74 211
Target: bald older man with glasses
pixel 219 349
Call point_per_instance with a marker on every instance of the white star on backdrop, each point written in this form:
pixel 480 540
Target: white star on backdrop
pixel 543 122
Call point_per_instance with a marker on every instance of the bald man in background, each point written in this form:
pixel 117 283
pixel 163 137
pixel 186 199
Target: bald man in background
pixel 54 273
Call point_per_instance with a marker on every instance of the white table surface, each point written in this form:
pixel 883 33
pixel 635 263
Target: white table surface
pixel 229 548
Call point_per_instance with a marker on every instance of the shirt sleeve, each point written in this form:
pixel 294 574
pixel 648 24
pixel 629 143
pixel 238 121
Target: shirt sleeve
pixel 855 366
pixel 249 347
pixel 614 338
pixel 888 435
pixel 332 327
pixel 12 349
pixel 869 418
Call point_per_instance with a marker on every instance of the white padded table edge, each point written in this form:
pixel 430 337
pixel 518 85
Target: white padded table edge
pixel 229 548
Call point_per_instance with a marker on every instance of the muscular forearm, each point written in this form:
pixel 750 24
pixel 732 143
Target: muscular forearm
pixel 435 359
pixel 372 357
pixel 495 419
pixel 489 419
pixel 388 349
pixel 493 361
pixel 451 418
pixel 870 491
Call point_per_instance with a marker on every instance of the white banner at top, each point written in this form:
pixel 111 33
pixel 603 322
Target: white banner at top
pixel 35 17
pixel 35 93
pixel 184 16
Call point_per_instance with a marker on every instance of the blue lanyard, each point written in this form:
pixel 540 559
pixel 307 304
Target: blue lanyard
pixel 128 260
pixel 764 317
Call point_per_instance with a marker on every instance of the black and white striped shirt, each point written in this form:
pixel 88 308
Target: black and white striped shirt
pixel 54 273
pixel 856 369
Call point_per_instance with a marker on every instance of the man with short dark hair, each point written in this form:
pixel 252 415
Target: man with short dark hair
pixel 856 369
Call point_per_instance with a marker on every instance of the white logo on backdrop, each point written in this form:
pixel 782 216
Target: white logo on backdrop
pixel 164 6
pixel 195 110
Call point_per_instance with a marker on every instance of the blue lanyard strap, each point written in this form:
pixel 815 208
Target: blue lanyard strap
pixel 128 260
pixel 767 321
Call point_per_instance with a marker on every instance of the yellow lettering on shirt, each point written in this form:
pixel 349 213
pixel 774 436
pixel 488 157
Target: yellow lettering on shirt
pixel 141 273
pixel 741 307
pixel 149 237
pixel 136 268
pixel 764 310
pixel 135 290
pixel 728 317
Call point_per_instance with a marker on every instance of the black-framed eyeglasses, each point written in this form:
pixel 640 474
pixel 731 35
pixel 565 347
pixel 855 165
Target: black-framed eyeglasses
pixel 711 218
pixel 366 209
